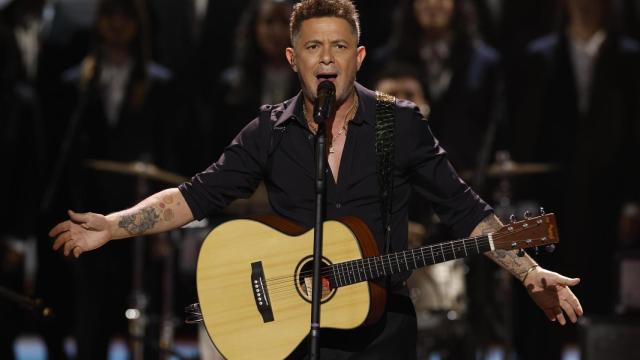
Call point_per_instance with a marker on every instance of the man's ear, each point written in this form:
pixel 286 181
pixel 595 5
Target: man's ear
pixel 361 53
pixel 291 58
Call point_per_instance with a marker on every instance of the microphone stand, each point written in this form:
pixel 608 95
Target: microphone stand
pixel 320 182
pixel 322 110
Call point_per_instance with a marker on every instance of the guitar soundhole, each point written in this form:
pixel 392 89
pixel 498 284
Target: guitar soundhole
pixel 304 283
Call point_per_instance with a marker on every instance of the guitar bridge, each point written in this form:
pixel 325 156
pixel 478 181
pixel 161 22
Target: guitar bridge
pixel 260 291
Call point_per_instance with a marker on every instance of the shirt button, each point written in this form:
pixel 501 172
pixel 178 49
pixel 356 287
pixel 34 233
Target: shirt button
pixel 309 136
pixel 338 205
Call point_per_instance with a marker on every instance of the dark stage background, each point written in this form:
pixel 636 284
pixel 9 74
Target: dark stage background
pixel 536 101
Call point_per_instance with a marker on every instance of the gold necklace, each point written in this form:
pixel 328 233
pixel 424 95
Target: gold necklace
pixel 343 129
pixel 341 132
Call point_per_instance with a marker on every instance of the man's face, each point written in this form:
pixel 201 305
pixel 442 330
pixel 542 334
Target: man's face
pixel 326 48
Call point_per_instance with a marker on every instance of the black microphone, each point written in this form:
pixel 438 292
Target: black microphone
pixel 325 99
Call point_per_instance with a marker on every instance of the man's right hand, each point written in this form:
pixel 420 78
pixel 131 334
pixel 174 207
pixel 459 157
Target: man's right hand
pixel 82 232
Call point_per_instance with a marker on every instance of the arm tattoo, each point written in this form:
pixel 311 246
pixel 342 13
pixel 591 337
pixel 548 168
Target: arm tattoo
pixel 140 221
pixel 508 259
pixel 489 225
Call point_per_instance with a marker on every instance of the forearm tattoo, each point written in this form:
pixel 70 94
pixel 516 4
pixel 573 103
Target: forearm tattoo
pixel 144 219
pixel 508 259
pixel 140 221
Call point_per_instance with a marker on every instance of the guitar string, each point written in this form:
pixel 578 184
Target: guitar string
pixel 360 269
pixel 356 271
pixel 448 245
pixel 483 238
pixel 289 286
pixel 291 289
pixel 410 255
pixel 348 267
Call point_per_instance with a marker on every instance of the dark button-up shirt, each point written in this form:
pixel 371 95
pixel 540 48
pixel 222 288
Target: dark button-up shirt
pixel 280 152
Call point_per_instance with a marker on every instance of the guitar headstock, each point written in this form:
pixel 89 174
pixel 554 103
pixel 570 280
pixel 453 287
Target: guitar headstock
pixel 531 232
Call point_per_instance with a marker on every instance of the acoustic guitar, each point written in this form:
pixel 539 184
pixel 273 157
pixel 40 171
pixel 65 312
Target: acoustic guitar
pixel 254 277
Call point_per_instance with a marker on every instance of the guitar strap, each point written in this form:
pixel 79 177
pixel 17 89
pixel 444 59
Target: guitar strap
pixel 385 152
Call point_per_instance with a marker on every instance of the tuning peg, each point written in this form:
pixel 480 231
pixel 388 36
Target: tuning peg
pixel 521 252
pixel 542 210
pixel 527 214
pixel 537 250
pixel 512 218
pixel 550 248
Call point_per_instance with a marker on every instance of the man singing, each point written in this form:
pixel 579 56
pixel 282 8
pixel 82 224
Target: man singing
pixel 278 149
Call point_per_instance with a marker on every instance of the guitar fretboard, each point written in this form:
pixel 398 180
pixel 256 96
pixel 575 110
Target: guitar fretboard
pixel 354 271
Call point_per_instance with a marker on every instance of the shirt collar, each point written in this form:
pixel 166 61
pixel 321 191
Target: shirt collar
pixel 590 46
pixel 366 108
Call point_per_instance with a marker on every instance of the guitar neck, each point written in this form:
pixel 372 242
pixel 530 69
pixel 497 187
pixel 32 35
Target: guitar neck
pixel 355 271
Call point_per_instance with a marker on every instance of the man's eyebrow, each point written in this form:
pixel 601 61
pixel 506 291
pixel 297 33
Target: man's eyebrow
pixel 310 42
pixel 316 41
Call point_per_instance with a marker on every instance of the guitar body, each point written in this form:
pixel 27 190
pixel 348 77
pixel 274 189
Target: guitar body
pixel 251 285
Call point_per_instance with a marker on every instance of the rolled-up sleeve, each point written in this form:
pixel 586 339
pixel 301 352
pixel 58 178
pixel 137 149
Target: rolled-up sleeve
pixel 433 177
pixel 235 175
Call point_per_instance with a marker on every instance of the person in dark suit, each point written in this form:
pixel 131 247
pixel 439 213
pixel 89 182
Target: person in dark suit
pixel 20 118
pixel 24 155
pixel 119 108
pixel 578 107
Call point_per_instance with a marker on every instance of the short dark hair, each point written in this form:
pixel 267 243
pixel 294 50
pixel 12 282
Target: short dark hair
pixel 309 9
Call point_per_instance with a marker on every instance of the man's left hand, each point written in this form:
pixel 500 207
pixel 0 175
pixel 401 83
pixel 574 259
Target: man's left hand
pixel 551 292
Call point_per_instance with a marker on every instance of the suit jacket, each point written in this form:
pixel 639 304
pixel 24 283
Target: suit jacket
pixel 22 138
pixel 143 132
pixel 594 151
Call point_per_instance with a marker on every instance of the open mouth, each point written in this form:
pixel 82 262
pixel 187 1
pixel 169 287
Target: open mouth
pixel 326 76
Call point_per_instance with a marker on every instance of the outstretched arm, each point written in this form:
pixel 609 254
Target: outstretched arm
pixel 508 259
pixel 160 212
pixel 549 290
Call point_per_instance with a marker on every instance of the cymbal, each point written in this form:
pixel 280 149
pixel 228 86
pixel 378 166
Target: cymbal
pixel 136 168
pixel 512 168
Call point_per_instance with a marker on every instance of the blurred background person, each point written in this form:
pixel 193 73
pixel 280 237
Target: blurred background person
pixel 24 155
pixel 460 74
pixel 260 73
pixel 577 107
pixel 195 40
pixel 403 81
pixel 117 106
